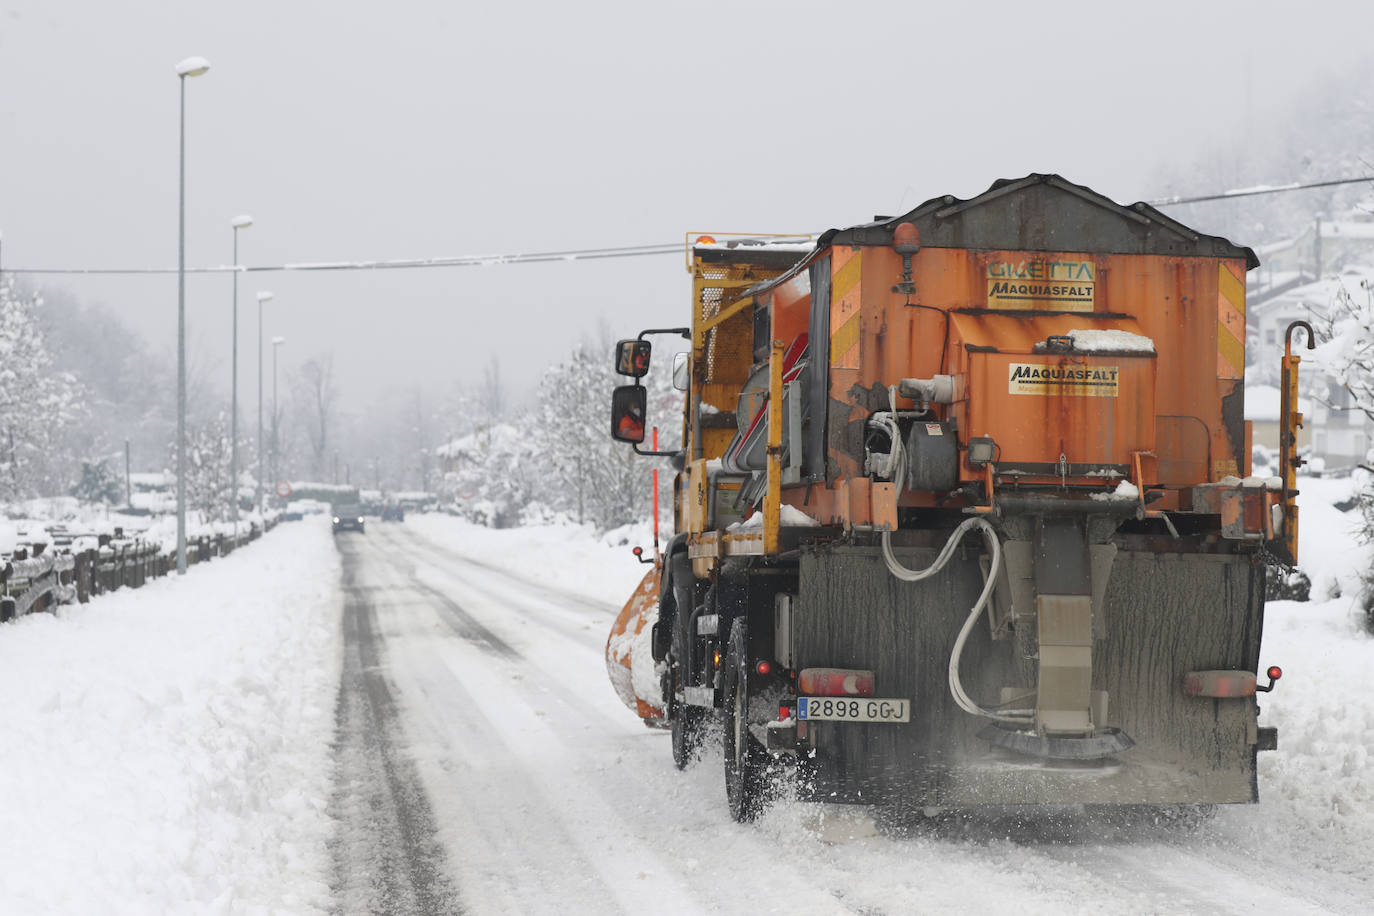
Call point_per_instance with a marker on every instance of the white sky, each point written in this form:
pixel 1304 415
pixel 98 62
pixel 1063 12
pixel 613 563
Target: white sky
pixel 419 128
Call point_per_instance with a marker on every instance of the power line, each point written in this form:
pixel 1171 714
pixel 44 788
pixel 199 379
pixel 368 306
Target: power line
pixel 577 254
pixel 476 260
pixel 1255 192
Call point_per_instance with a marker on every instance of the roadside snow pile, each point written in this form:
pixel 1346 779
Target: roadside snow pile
pixel 167 749
pixel 1317 790
pixel 568 556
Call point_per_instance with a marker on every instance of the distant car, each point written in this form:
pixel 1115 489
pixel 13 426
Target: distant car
pixel 348 518
pixel 393 514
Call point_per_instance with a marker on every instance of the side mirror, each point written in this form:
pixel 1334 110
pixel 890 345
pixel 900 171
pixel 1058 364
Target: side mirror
pixel 628 405
pixel 680 371
pixel 632 357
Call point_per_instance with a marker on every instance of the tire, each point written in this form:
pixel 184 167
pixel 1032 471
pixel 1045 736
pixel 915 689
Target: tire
pixel 688 722
pixel 745 761
pixel 688 726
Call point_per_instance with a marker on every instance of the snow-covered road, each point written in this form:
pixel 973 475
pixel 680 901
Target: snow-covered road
pixel 548 796
pixel 418 720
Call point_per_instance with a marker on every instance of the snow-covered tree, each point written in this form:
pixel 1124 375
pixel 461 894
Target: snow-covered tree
pixel 497 474
pixel 98 484
pixel 1347 350
pixel 36 403
pixel 208 481
pixel 587 474
pixel 317 398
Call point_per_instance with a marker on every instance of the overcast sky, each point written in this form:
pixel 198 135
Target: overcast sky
pixel 422 128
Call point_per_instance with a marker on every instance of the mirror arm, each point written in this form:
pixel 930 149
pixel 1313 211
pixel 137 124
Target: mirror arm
pixel 650 453
pixel 684 333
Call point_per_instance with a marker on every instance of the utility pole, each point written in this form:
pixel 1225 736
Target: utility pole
pixel 1317 247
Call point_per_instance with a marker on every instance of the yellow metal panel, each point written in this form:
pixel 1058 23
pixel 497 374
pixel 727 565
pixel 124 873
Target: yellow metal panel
pixel 1231 288
pixel 1230 324
pixel 1230 354
pixel 845 301
pixel 844 344
pixel 846 272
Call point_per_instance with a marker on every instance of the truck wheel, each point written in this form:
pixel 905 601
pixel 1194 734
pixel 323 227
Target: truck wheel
pixel 745 760
pixel 688 722
pixel 688 725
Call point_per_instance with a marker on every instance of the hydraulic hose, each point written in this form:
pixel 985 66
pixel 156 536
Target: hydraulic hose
pixel 956 686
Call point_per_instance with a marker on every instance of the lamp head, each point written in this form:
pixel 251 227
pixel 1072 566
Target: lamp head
pixel 278 341
pixel 192 66
pixel 241 222
pixel 264 296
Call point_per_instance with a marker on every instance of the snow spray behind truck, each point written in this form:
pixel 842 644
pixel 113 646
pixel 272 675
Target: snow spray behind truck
pixel 964 514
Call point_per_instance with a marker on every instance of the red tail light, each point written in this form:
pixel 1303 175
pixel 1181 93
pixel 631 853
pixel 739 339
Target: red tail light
pixel 764 667
pixel 835 682
pixel 1219 684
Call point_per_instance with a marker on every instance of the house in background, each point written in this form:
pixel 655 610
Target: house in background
pixel 1338 434
pixel 1326 247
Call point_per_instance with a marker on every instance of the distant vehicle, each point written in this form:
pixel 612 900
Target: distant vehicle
pixel 416 500
pixel 393 514
pixel 348 518
pixel 372 501
pixel 303 507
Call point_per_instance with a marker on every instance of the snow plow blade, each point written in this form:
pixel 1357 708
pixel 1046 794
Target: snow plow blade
pixel 629 656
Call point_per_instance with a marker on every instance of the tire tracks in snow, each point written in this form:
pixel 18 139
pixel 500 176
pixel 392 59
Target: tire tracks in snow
pixel 442 560
pixel 387 857
pixel 506 770
pixel 555 596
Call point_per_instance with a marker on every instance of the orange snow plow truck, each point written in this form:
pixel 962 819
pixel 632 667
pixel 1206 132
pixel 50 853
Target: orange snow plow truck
pixel 964 513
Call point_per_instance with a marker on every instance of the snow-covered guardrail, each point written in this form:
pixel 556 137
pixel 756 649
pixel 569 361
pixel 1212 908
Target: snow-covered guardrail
pixel 35 583
pixel 44 576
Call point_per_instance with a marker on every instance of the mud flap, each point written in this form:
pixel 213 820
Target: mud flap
pixel 1165 614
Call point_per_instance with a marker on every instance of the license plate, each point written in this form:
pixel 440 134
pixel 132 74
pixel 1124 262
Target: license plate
pixel 853 709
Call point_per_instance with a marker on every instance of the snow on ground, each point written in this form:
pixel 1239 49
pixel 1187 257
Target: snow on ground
pixel 570 556
pixel 167 749
pixel 1317 789
pixel 1316 810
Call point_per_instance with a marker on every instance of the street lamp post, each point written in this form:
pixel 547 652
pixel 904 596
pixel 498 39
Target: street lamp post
pixel 262 297
pixel 276 342
pixel 191 66
pixel 238 222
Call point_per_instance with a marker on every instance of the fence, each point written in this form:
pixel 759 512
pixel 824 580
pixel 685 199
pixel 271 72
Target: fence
pixel 41 577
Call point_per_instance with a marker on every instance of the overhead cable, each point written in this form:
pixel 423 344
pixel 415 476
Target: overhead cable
pixel 1256 191
pixel 579 254
pixel 473 260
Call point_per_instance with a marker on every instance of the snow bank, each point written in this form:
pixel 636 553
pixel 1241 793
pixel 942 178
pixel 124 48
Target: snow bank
pixel 568 556
pixel 167 749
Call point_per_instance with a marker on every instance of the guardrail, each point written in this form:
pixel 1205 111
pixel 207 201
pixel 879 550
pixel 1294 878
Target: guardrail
pixel 40 577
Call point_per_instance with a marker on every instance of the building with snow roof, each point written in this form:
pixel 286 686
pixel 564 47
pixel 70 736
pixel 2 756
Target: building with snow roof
pixel 1338 433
